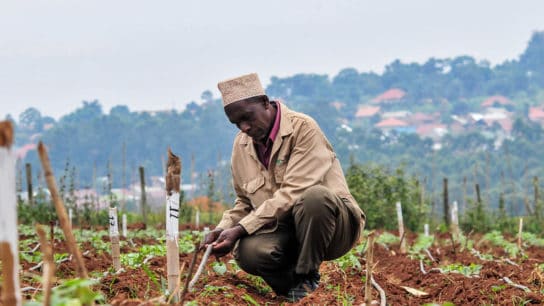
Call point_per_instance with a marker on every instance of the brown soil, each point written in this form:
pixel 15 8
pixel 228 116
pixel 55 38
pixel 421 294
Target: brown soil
pixel 392 271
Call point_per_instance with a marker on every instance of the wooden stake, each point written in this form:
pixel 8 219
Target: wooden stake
pixel 143 197
pixel 188 279
pixel 123 176
pixel 114 238
pixel 401 228
pixel 9 257
pixel 446 203
pixel 520 230
pixel 48 265
pixel 28 168
pixel 200 267
pixel 173 180
pixel 369 263
pixel 61 211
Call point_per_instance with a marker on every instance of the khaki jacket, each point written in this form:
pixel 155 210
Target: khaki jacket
pixel 301 157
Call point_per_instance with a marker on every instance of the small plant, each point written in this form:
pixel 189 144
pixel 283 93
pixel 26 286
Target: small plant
pixel 497 239
pixel 468 271
pixel 532 239
pixel 210 290
pixel 349 260
pixel 219 268
pixel 422 243
pixel 387 238
pixel 72 292
pixel 246 297
pixel 258 283
pixel 498 288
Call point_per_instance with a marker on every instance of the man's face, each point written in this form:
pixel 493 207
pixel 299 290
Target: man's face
pixel 252 116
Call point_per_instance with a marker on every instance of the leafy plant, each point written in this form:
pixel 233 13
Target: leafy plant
pixel 422 242
pixel 532 239
pixel 74 292
pixel 349 260
pixel 387 238
pixel 497 239
pixel 246 297
pixel 210 290
pixel 219 268
pixel 468 271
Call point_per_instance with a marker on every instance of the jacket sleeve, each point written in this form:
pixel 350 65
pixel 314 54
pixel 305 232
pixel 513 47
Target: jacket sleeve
pixel 309 161
pixel 242 207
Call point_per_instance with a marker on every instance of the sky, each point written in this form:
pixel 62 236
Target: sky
pixel 155 55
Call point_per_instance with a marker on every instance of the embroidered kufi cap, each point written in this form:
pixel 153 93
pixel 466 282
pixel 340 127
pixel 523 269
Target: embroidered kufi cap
pixel 240 88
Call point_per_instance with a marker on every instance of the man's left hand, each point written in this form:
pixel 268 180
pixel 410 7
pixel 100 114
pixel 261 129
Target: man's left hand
pixel 226 240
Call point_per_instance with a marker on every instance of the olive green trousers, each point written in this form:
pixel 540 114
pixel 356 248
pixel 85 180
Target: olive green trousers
pixel 320 227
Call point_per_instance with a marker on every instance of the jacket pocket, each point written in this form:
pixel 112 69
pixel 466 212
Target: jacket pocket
pixel 253 185
pixel 279 170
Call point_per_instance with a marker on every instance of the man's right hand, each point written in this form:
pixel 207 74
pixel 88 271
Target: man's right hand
pixel 211 237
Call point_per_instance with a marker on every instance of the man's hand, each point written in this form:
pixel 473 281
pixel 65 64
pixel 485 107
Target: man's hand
pixel 226 240
pixel 210 237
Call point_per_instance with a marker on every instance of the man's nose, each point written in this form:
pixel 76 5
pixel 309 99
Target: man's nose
pixel 244 127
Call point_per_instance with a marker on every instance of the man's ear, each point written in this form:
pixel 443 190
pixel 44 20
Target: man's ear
pixel 266 101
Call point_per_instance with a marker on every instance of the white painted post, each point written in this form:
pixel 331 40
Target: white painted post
pixel 70 215
pixel 426 229
pixel 9 254
pixel 401 228
pixel 114 238
pixel 455 220
pixel 124 220
pixel 197 219
pixel 173 182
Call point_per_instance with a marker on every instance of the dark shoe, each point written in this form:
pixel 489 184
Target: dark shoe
pixel 307 284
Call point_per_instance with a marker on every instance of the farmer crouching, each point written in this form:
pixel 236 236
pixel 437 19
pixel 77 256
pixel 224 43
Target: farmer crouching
pixel 293 209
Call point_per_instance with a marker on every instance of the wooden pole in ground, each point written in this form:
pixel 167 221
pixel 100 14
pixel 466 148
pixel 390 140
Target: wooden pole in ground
pixel 114 238
pixel 369 263
pixel 9 254
pixel 123 176
pixel 143 196
pixel 401 228
pixel 520 231
pixel 28 168
pixel 61 211
pixel 446 203
pixel 173 182
pixel 536 205
pixel 48 265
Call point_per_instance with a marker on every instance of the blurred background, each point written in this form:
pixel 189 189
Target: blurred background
pixel 410 94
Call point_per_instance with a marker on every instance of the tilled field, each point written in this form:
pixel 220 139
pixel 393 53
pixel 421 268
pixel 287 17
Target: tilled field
pixel 479 276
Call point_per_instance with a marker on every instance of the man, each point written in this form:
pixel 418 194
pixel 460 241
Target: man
pixel 293 208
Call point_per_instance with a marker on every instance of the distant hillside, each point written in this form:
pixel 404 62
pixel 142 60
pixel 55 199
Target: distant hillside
pixel 457 118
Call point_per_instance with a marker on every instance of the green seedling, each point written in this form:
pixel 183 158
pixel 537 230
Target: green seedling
pixel 468 271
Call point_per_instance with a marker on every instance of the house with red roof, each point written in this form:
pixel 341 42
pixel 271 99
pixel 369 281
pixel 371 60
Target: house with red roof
pixel 496 101
pixel 434 131
pixel 536 114
pixel 365 111
pixel 398 125
pixel 390 96
pixel 21 152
